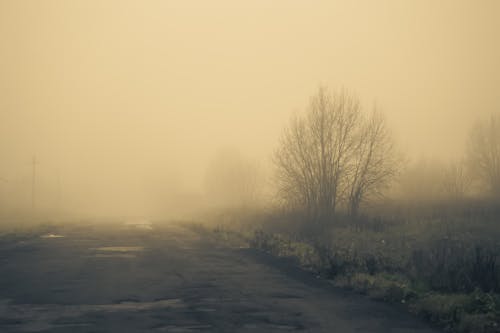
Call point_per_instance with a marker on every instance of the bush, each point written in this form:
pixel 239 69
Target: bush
pixel 391 288
pixel 478 323
pixel 454 266
pixel 475 312
pixel 445 267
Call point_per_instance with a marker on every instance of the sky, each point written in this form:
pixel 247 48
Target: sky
pixel 118 97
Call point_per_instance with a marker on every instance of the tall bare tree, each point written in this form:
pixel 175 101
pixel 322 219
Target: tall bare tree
pixel 331 154
pixel 483 154
pixel 374 162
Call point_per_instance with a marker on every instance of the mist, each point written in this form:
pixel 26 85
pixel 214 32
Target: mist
pixel 250 166
pixel 124 105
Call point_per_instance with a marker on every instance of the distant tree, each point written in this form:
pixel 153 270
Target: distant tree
pixel 232 180
pixel 374 163
pixel 483 153
pixel 456 180
pixel 420 180
pixel 330 155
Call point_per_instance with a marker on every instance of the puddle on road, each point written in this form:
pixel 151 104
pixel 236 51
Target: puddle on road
pixel 120 248
pixel 115 255
pixel 127 252
pixel 51 236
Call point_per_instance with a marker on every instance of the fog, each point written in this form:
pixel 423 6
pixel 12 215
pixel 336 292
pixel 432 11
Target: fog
pixel 125 104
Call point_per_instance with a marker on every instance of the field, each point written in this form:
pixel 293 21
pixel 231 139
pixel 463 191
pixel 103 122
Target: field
pixel 439 261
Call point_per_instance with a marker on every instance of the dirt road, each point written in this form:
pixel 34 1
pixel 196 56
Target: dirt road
pixel 165 278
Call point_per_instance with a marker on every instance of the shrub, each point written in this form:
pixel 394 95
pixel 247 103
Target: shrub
pixel 454 266
pixel 476 312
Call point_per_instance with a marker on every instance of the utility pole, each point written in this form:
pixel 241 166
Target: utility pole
pixel 33 183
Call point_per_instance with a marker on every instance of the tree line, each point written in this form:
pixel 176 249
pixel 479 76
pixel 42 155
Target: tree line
pixel 334 157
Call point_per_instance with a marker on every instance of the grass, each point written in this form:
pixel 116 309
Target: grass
pixel 442 265
pixel 473 312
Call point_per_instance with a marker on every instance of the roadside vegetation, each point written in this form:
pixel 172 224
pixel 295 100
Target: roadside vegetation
pixel 443 268
pixel 350 208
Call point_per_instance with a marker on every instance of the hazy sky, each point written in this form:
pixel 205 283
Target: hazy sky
pixel 121 93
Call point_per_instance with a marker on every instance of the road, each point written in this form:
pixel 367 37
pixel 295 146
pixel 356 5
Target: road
pixel 91 277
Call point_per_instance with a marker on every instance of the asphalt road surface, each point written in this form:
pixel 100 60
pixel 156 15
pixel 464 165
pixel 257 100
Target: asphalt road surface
pixel 166 278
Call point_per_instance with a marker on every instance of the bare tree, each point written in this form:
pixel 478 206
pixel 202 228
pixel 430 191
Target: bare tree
pixel 331 154
pixel 374 162
pixel 232 180
pixel 456 180
pixel 483 154
pixel 420 181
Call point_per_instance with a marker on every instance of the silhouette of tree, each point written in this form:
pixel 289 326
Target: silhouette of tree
pixel 332 155
pixel 374 162
pixel 483 153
